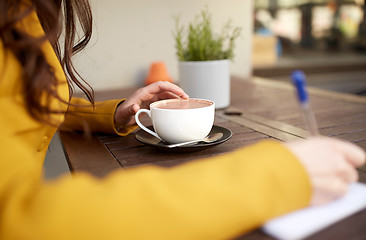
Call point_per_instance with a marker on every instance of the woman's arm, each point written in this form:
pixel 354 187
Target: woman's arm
pixel 82 116
pixel 116 116
pixel 217 198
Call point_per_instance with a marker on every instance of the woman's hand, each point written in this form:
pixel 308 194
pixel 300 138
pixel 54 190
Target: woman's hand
pixel 142 98
pixel 331 165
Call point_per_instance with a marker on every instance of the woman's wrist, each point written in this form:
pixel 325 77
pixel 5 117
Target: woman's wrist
pixel 117 123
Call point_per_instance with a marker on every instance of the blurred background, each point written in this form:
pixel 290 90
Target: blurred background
pixel 325 39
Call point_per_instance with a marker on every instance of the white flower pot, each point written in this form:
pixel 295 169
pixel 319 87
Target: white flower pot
pixel 206 79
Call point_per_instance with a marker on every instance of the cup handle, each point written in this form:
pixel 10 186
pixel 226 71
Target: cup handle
pixel 142 126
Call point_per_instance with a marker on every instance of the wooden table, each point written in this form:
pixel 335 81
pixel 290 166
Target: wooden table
pixel 260 109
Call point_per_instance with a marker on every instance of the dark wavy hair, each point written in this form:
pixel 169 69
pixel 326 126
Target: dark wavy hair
pixel 56 16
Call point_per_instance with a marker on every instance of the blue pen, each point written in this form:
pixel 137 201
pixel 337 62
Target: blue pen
pixel 299 81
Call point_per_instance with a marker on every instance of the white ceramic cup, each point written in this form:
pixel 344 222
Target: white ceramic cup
pixel 177 120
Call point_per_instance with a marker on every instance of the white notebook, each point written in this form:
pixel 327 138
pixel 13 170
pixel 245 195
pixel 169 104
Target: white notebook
pixel 303 223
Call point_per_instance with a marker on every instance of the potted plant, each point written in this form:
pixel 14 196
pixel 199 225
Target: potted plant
pixel 204 58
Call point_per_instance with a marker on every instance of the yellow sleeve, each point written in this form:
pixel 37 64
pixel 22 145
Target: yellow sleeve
pixel 216 198
pixel 81 116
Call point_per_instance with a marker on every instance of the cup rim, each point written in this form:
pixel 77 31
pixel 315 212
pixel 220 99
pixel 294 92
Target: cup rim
pixel 176 99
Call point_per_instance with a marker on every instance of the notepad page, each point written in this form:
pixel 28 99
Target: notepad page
pixel 303 223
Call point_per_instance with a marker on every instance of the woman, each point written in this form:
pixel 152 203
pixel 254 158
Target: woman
pixel 217 198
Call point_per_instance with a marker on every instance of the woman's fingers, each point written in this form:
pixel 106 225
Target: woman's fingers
pixel 134 109
pixel 353 153
pixel 156 91
pixel 328 190
pixel 346 171
pixel 167 95
pixel 159 87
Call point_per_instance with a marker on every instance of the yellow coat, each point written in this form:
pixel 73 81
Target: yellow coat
pixel 215 198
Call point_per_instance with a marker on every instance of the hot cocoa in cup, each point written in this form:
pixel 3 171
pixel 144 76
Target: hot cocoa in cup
pixel 178 120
